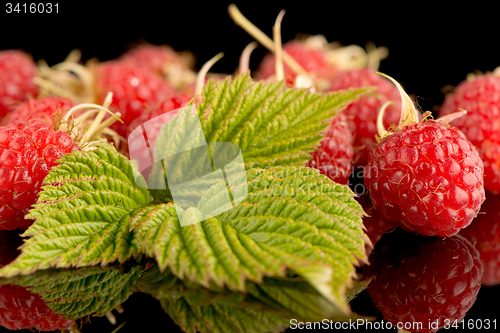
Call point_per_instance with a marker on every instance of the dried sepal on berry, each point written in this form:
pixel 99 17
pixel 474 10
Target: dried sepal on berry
pixel 425 176
pixel 68 79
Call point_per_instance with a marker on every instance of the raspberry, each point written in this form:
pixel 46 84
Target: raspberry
pixel 138 149
pixel 374 223
pixel 484 233
pixel 17 71
pixel 335 153
pixel 44 109
pixel 362 114
pixel 426 178
pixel 21 309
pixel 134 89
pixel 425 281
pixel 314 61
pixel 156 58
pixel 480 98
pixel 27 152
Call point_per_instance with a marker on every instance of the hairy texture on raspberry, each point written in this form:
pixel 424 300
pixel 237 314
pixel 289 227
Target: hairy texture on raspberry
pixel 362 114
pixel 427 178
pixel 44 109
pixel 17 71
pixel 156 58
pixel 481 99
pixel 312 60
pixel 418 280
pixel 28 150
pixel 373 222
pixel 335 153
pixel 134 89
pixel 151 122
pixel 21 309
pixel 484 233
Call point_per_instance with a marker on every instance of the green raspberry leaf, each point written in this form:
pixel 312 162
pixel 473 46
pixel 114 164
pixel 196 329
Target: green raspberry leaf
pixel 269 124
pixel 82 214
pixel 293 220
pixel 272 124
pixel 75 293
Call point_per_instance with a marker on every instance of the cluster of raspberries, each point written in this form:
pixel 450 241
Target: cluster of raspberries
pixel 425 181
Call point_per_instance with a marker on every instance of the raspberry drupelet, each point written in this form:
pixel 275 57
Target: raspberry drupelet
pixel 362 114
pixel 484 233
pixel 481 98
pixel 28 150
pixel 17 71
pixel 425 177
pixel 335 153
pixel 19 308
pixel 40 108
pixel 134 89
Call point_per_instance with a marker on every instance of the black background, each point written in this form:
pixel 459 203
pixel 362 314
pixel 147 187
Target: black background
pixel 429 47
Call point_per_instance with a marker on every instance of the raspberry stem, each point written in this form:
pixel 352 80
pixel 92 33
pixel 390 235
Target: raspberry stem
pixel 200 79
pixel 256 33
pixel 245 57
pixel 280 72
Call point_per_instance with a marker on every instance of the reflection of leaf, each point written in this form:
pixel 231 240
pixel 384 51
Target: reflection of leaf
pixel 266 307
pixel 359 286
pixel 293 220
pixel 75 293
pixel 82 214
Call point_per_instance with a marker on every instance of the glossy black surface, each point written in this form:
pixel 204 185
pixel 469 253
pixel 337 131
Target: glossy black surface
pixel 430 47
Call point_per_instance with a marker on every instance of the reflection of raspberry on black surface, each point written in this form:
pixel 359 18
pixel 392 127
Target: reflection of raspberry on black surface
pixel 484 233
pixel 419 279
pixel 19 308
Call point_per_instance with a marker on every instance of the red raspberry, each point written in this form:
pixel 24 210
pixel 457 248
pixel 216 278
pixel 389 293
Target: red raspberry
pixel 362 114
pixel 19 308
pixel 425 281
pixel 27 152
pixel 17 71
pixel 312 60
pixel 374 223
pixel 134 89
pixel 426 178
pixel 480 98
pixel 137 147
pixel 156 58
pixel 44 109
pixel 484 233
pixel 335 153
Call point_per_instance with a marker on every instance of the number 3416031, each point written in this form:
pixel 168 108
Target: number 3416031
pixel 31 8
